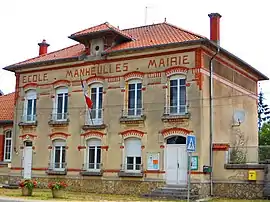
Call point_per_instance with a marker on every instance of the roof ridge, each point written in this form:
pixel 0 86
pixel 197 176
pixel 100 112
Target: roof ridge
pixel 185 30
pixel 7 94
pixel 105 23
pixel 141 26
pixel 46 54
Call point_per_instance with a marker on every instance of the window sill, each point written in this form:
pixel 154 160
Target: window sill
pixel 130 174
pixel 28 123
pixel 4 163
pixel 59 122
pixel 56 172
pixel 132 119
pixel 91 173
pixel 101 126
pixel 175 117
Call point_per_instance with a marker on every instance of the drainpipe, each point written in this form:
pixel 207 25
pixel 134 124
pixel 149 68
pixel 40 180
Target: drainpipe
pixel 211 118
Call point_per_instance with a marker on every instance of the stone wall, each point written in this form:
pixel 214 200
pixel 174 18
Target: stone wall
pixel 201 189
pixel 131 187
pixel 238 190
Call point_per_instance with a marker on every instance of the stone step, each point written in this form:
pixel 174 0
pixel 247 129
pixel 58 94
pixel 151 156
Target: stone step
pixel 170 196
pixel 171 191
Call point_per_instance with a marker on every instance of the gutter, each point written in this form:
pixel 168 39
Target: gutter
pixel 6 121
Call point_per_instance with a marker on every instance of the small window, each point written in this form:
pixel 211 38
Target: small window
pixel 177 91
pixel 61 104
pixel 59 155
pixel 8 146
pixel 30 106
pixel 94 154
pixel 133 159
pixel 134 98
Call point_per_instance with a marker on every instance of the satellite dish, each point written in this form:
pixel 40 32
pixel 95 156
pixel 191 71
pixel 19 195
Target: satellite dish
pixel 239 116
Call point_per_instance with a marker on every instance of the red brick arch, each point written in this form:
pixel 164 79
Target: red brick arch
pixel 135 74
pixel 59 135
pixel 132 133
pixel 171 131
pixel 93 133
pixel 59 83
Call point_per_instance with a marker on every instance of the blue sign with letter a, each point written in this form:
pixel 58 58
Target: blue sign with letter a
pixel 191 143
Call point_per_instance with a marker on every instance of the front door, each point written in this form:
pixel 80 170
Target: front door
pixel 176 164
pixel 27 160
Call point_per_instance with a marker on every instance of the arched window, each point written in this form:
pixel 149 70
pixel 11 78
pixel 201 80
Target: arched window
pixel 96 92
pixel 8 146
pixel 30 106
pixel 133 153
pixel 177 94
pixel 61 104
pixel 134 97
pixel 59 155
pixel 94 154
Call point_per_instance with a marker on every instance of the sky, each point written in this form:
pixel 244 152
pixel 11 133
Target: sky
pixel 244 26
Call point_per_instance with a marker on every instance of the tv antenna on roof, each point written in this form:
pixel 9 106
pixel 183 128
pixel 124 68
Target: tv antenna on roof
pixel 238 117
pixel 145 14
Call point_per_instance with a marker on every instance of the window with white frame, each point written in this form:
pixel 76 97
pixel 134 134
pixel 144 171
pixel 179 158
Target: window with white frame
pixel 133 152
pixel 134 97
pixel 96 92
pixel 61 103
pixel 93 161
pixel 177 92
pixel 59 155
pixel 30 106
pixel 8 146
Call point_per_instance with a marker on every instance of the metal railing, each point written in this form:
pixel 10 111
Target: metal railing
pixel 175 110
pixel 132 112
pixel 96 117
pixel 59 116
pixel 132 167
pixel 29 118
pixel 92 166
pixel 248 154
pixel 57 166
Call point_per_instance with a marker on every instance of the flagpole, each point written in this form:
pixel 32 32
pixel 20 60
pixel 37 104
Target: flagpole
pixel 89 109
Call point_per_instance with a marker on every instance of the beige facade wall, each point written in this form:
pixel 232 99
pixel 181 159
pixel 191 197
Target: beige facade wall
pixel 114 75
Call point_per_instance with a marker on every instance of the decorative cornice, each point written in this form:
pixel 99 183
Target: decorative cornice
pixel 94 79
pixel 59 83
pixel 175 70
pixel 220 147
pixel 170 131
pixel 133 75
pixel 132 133
pixel 93 133
pixel 27 137
pixel 60 135
pixel 29 86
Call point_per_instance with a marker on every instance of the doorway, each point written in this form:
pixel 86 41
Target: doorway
pixel 176 164
pixel 27 160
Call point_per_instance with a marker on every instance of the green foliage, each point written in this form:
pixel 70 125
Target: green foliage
pixel 263 111
pixel 57 185
pixel 264 142
pixel 30 184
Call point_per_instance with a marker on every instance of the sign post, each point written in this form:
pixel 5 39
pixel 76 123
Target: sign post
pixel 191 147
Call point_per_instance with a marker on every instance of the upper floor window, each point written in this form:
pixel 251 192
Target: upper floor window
pixel 61 102
pixel 134 98
pixel 177 92
pixel 96 95
pixel 133 159
pixel 59 155
pixel 30 106
pixel 8 145
pixel 94 154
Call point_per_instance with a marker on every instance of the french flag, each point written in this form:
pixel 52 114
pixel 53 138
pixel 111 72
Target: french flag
pixel 87 98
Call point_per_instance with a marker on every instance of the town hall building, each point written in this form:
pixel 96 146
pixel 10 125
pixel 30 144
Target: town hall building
pixel 149 87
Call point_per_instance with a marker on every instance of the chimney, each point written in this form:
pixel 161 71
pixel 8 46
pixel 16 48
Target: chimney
pixel 43 46
pixel 215 27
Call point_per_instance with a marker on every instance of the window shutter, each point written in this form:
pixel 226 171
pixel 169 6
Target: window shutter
pixel 2 145
pixel 133 147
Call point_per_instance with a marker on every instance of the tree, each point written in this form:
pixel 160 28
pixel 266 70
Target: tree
pixel 264 142
pixel 263 111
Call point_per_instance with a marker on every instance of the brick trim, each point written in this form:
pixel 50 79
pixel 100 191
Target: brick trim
pixel 132 133
pixel 170 131
pixel 92 133
pixel 60 135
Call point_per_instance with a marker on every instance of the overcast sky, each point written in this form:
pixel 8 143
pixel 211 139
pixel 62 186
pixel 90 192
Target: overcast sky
pixel 245 27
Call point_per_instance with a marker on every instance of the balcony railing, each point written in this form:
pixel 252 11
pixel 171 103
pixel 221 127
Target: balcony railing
pixel 94 117
pixel 175 110
pixel 248 154
pixel 29 118
pixel 132 168
pixel 57 166
pixel 59 116
pixel 92 166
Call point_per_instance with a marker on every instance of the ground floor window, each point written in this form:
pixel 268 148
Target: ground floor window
pixel 133 158
pixel 94 154
pixel 59 155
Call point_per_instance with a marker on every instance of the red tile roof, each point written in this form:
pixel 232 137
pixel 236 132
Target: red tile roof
pixel 102 27
pixel 7 107
pixel 146 36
